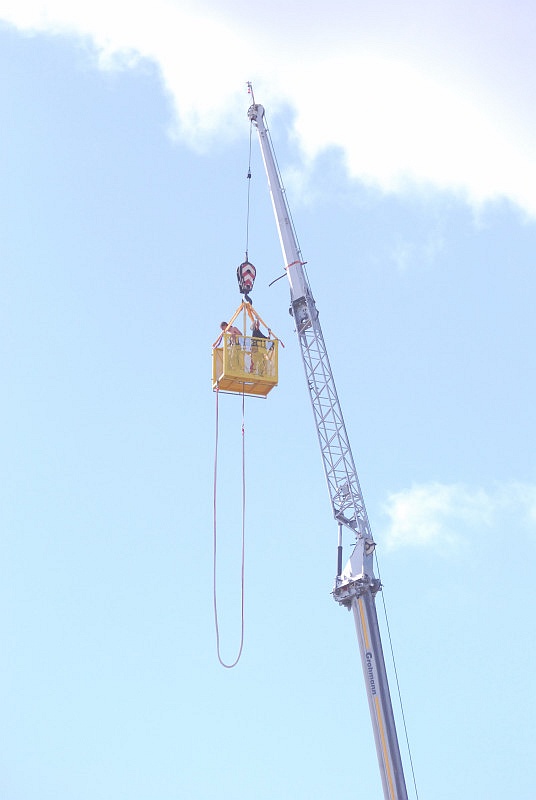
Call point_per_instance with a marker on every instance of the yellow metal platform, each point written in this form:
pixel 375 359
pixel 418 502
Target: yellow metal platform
pixel 245 365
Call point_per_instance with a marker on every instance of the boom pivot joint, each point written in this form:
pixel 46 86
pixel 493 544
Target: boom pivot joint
pixel 346 589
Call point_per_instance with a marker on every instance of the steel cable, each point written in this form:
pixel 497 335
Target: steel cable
pixel 397 681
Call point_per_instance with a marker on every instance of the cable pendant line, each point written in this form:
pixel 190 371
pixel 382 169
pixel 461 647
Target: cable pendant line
pixel 391 648
pixel 215 539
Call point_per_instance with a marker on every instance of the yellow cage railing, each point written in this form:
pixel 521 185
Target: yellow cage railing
pixel 245 365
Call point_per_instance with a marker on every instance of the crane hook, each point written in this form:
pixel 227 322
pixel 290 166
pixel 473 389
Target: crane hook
pixel 245 275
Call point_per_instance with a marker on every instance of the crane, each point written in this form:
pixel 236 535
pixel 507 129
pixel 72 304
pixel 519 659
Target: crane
pixel 355 584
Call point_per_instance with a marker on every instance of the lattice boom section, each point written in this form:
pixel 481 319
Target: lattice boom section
pixel 341 475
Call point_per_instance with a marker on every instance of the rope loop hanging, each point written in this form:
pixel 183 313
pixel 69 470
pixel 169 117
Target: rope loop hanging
pixel 215 540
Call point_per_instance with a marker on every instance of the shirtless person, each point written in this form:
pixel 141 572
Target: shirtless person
pixel 233 330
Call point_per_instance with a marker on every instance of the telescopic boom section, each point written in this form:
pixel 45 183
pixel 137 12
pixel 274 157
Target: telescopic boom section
pixel 355 585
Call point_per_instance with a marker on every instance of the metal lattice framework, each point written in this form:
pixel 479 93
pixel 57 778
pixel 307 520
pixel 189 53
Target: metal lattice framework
pixel 341 475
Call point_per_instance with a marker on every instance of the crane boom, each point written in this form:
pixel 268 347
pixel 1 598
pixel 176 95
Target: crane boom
pixel 355 585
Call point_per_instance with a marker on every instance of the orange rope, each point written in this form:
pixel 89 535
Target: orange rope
pixel 242 581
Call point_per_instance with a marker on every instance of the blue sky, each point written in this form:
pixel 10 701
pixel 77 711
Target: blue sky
pixel 406 140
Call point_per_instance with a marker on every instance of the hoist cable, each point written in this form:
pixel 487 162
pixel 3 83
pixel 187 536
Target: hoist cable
pixel 397 681
pixel 215 539
pixel 249 190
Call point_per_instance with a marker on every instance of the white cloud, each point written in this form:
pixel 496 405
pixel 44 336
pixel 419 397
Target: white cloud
pixel 437 95
pixel 198 55
pixel 438 515
pixel 405 253
pixel 426 514
pixel 523 496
